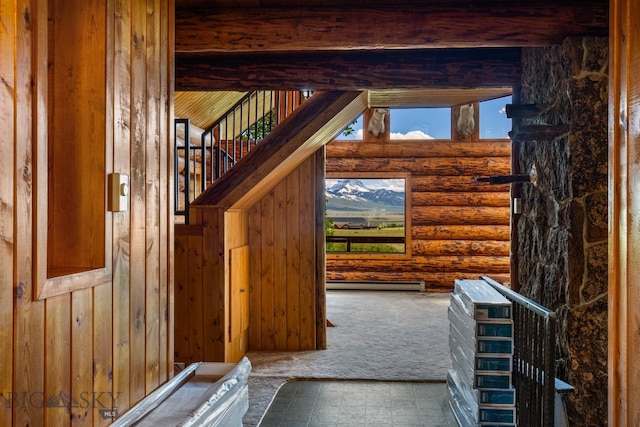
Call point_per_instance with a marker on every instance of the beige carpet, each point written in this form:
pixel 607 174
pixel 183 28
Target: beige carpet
pixel 383 335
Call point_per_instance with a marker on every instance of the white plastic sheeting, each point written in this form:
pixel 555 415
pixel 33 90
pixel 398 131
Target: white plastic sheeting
pixel 204 394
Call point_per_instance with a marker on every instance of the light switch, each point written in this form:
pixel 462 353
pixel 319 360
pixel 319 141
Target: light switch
pixel 118 191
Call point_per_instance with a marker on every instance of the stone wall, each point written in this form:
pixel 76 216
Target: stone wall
pixel 562 233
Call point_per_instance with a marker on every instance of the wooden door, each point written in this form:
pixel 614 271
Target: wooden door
pixel 239 304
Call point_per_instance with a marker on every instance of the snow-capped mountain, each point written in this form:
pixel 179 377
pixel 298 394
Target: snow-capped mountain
pixel 354 194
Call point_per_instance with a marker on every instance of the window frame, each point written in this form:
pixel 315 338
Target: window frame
pixel 407 215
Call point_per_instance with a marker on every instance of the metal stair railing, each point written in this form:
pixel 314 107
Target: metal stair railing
pixel 226 141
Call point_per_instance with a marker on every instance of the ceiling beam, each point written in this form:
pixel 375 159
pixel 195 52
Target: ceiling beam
pixel 435 25
pixel 342 70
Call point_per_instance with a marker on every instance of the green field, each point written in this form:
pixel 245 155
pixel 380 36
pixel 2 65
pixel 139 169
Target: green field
pixel 367 247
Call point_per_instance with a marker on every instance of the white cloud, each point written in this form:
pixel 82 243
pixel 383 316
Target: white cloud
pixel 503 110
pixel 413 134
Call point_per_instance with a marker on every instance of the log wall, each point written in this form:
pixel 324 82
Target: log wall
pixel 459 228
pixel 104 344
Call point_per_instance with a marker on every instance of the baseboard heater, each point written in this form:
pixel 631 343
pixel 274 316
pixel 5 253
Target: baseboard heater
pixel 373 285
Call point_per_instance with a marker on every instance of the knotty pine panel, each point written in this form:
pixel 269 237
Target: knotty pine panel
pixel 283 292
pixel 105 338
pixel 9 54
pixel 213 270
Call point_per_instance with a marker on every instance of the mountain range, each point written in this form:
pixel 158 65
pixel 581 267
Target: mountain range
pixel 354 195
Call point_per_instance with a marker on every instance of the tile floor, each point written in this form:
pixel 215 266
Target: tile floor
pixel 359 403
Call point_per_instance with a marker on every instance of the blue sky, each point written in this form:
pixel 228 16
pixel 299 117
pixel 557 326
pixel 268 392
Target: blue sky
pixel 419 123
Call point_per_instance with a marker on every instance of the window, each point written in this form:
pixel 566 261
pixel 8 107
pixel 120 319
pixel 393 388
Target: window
pixel 353 131
pixel 420 123
pixel 494 123
pixel 366 214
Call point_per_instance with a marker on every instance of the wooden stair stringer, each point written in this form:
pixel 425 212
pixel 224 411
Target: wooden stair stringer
pixel 312 125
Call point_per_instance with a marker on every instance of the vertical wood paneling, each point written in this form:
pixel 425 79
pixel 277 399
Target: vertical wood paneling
pixel 120 51
pixel 82 357
pixel 77 345
pixel 255 287
pixel 7 141
pixel 102 359
pixel 58 347
pixel 267 274
pixel 291 257
pixel 214 295
pixel 307 259
pixel 181 297
pixel 281 310
pixel 282 237
pixel 624 205
pixel 28 364
pixel 166 84
pixel 196 308
pixel 137 291
pixel 152 197
pixel 320 255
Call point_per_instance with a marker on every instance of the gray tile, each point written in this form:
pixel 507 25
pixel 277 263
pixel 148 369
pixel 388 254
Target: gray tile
pixel 359 403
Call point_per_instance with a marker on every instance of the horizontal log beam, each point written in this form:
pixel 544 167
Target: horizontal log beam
pixel 443 264
pixel 460 199
pixel 343 70
pixel 451 183
pixel 461 232
pixel 419 26
pixel 434 282
pixel 430 165
pixel 460 247
pixel 420 148
pixel 436 215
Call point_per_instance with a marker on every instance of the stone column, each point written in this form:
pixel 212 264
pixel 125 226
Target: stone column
pixel 562 250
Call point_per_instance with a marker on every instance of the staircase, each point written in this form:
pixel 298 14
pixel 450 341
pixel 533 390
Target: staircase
pixel 214 151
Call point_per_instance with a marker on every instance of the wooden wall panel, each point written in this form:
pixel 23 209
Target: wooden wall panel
pixel 58 345
pixel 624 205
pixel 79 344
pixel 181 297
pixel 308 261
pixel 268 279
pixel 29 316
pixel 120 51
pixel 459 227
pixel 82 355
pixel 290 252
pixel 8 54
pixel 236 237
pixel 213 270
pixel 102 348
pixel 283 268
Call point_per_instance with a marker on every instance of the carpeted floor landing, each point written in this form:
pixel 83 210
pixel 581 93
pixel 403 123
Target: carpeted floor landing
pixel 378 335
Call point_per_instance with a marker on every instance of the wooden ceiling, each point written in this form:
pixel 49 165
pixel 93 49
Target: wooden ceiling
pixel 244 45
